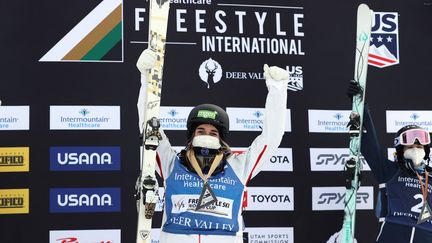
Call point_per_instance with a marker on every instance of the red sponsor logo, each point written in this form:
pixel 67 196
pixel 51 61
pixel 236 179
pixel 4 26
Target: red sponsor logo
pixel 75 240
pixel 68 240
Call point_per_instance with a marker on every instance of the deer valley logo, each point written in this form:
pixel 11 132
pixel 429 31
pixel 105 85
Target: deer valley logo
pixel 210 72
pixel 96 38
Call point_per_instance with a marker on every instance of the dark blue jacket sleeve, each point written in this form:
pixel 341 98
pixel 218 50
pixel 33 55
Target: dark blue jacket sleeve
pixel 376 157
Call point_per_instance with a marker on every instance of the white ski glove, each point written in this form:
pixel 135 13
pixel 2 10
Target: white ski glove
pixel 147 60
pixel 275 73
pixel 275 76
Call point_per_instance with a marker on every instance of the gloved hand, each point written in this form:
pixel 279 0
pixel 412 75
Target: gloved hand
pixel 276 77
pixel 147 60
pixel 353 89
pixel 275 73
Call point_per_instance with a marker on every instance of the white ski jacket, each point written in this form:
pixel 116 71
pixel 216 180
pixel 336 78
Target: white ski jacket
pixel 245 165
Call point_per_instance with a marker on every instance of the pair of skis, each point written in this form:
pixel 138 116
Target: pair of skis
pixel 353 166
pixel 147 185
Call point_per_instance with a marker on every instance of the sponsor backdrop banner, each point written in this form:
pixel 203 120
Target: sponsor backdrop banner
pixel 70 147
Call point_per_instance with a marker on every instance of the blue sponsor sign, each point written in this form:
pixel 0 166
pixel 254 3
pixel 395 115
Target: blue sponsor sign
pixel 84 158
pixel 84 200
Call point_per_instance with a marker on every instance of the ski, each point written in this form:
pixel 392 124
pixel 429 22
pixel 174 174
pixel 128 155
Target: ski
pixel 353 165
pixel 147 185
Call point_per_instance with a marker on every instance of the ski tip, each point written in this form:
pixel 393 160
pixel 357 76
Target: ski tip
pixel 364 8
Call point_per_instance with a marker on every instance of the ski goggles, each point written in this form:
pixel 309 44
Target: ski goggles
pixel 411 136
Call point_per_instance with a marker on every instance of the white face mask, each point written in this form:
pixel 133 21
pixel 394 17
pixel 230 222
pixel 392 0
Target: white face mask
pixel 206 141
pixel 415 154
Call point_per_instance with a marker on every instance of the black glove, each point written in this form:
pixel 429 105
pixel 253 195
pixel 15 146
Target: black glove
pixel 354 89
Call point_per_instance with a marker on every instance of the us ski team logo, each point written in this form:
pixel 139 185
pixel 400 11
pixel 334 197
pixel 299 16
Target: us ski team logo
pixel 94 38
pixel 295 80
pixel 384 46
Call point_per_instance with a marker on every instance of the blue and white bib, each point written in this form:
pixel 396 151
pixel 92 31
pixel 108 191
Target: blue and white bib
pixel 183 189
pixel 405 201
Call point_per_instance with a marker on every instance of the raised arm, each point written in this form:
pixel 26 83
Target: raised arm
pixel 262 148
pixel 165 153
pixel 375 156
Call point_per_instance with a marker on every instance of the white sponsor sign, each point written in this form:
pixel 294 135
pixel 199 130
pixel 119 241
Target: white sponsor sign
pixel 251 119
pixel 270 199
pixel 14 117
pixel 333 198
pixel 188 203
pixel 174 117
pixel 329 121
pixel 84 236
pixel 85 117
pixel 281 160
pixel 397 119
pixel 267 234
pixel 332 159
